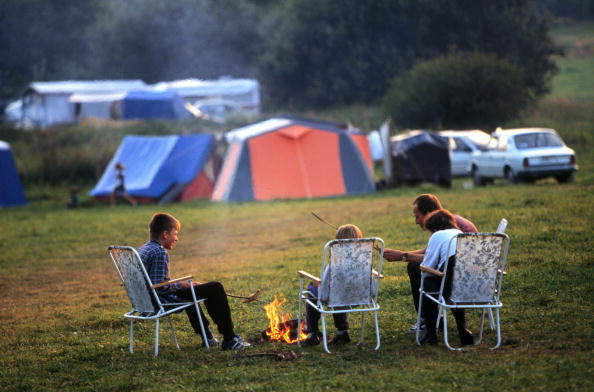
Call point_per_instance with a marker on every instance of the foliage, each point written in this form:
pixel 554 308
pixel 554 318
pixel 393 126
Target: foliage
pixel 334 53
pixel 461 90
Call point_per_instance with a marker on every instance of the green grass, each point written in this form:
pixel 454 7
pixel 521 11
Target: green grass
pixel 63 327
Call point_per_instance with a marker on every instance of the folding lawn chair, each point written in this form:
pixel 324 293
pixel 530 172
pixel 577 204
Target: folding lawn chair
pixel 141 292
pixel 350 287
pixel 476 280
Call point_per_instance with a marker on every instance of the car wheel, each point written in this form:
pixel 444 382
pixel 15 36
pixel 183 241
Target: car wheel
pixel 478 180
pixel 565 178
pixel 510 176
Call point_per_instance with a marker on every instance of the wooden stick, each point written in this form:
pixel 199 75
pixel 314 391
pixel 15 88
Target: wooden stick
pixel 323 220
pixel 250 298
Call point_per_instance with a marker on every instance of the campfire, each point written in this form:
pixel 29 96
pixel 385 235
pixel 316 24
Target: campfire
pixel 281 327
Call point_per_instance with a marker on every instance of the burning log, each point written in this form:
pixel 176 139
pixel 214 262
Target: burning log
pixel 280 326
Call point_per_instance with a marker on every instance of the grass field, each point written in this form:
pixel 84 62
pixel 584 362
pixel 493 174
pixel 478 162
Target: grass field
pixel 62 326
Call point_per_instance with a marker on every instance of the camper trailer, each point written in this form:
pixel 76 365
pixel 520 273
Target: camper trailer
pixel 244 93
pixel 48 103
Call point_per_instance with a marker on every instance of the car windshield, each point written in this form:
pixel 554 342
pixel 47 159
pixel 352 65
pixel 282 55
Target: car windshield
pixel 479 140
pixel 536 140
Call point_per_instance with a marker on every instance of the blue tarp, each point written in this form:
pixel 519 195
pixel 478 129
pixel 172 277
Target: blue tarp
pixel 11 189
pixel 154 164
pixel 150 104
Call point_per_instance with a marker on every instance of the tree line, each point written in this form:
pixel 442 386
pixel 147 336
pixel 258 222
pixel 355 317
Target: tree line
pixel 306 53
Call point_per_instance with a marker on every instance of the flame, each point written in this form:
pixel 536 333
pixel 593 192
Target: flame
pixel 278 328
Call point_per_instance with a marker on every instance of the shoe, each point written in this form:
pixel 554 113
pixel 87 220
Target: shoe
pixel 413 329
pixel 342 337
pixel 312 339
pixel 237 343
pixel 466 338
pixel 212 342
pixel 428 339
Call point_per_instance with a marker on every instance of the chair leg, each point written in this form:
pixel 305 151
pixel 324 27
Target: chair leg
pixel 445 329
pixel 131 335
pixel 491 322
pixel 172 332
pixel 498 326
pixel 324 334
pixel 418 331
pixel 156 337
pixel 362 328
pixel 299 312
pixel 480 338
pixel 377 335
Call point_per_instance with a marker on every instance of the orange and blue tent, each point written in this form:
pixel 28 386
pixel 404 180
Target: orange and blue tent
pixel 294 158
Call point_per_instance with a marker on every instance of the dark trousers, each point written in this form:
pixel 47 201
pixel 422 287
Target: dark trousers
pixel 216 304
pixel 312 316
pixel 430 309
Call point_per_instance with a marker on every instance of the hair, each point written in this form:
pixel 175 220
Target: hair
pixel 427 203
pixel 439 220
pixel 348 231
pixel 119 166
pixel 162 221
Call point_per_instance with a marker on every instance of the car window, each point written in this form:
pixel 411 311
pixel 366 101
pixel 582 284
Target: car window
pixel 460 146
pixel 536 140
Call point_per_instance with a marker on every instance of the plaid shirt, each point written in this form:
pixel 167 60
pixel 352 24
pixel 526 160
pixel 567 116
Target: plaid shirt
pixel 156 262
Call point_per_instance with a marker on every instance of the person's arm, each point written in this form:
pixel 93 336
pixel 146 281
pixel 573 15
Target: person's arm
pixel 415 256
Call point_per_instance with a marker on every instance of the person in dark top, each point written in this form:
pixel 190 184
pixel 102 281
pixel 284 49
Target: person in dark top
pixel 120 189
pixel 163 229
pixel 422 206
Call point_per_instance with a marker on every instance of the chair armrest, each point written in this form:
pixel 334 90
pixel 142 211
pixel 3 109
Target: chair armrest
pixel 309 276
pixel 431 270
pixel 171 281
pixel 375 273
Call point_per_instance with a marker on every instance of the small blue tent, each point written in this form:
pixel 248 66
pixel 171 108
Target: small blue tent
pixel 151 104
pixel 163 168
pixel 11 189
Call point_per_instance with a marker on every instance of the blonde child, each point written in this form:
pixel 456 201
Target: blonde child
pixel 340 319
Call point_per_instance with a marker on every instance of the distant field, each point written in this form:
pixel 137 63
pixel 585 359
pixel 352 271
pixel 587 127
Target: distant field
pixel 576 77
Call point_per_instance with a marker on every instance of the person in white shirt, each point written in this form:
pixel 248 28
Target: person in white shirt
pixel 442 225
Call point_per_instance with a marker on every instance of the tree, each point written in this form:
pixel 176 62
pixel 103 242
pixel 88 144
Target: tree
pixel 328 53
pixel 461 90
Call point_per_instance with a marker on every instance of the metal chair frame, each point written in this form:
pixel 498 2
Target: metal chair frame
pixel 369 304
pixel 486 305
pixel 145 302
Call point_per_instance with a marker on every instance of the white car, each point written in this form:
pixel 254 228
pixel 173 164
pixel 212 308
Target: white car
pixel 462 145
pixel 524 154
pixel 217 110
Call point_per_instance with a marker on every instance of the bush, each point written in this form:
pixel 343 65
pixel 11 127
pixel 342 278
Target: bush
pixel 461 90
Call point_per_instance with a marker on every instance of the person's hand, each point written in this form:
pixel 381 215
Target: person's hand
pixel 393 254
pixel 185 284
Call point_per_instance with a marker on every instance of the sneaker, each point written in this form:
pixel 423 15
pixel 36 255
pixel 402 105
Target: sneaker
pixel 413 329
pixel 342 337
pixel 237 343
pixel 312 339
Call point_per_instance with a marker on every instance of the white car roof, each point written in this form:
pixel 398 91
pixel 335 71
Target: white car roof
pixel 520 131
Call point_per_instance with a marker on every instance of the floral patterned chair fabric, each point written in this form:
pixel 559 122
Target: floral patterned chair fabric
pixel 133 279
pixel 143 298
pixel 350 273
pixel 474 281
pixel 475 273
